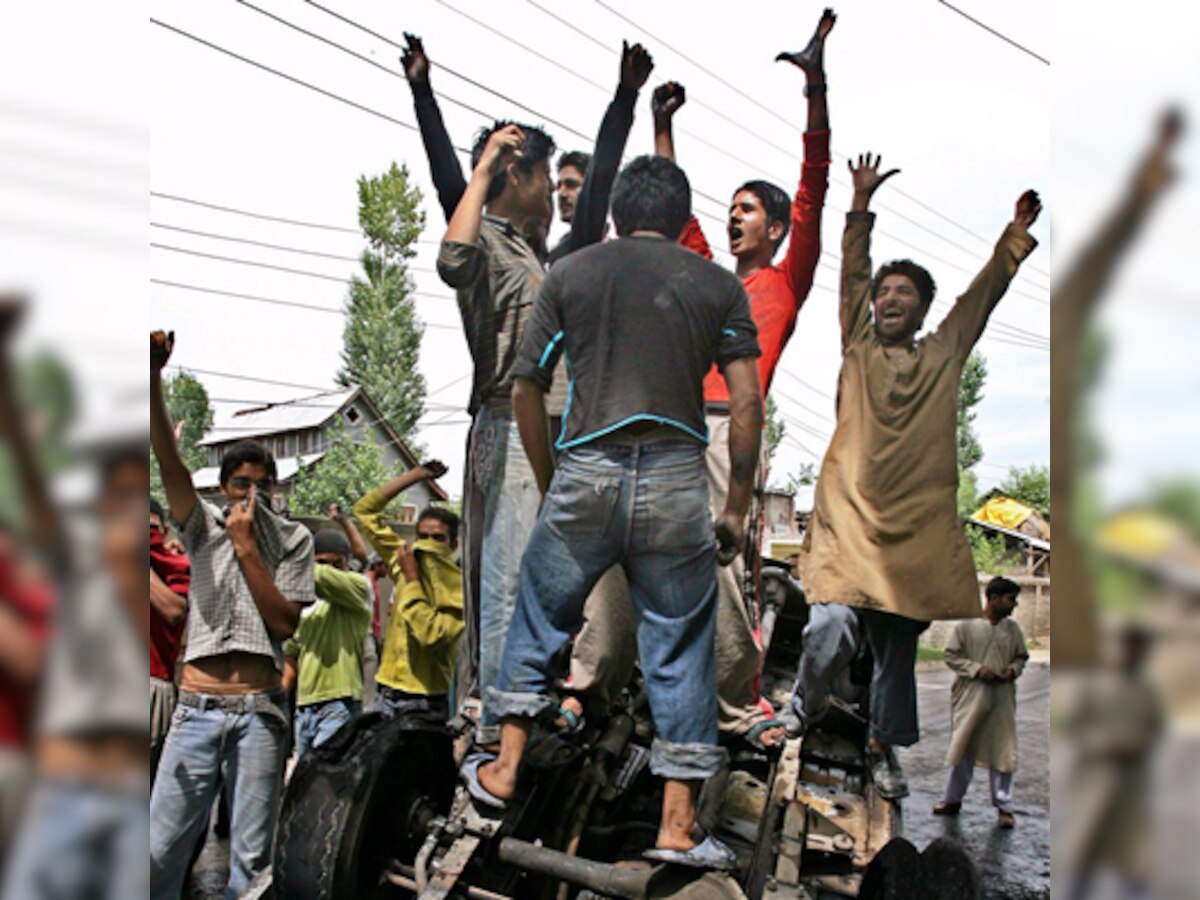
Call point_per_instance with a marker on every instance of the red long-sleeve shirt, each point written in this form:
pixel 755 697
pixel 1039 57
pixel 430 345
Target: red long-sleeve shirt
pixel 175 571
pixel 778 291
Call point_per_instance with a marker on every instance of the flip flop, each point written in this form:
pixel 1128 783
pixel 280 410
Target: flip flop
pixel 708 854
pixel 754 735
pixel 575 722
pixel 470 774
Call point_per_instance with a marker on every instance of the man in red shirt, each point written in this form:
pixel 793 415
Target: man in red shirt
pixel 170 576
pixel 761 217
pixel 26 605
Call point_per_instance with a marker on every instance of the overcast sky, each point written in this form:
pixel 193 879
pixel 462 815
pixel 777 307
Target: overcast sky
pixel 964 114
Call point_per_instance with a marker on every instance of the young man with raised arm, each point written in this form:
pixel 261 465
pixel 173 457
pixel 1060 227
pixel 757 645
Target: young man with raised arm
pixel 252 573
pixel 885 536
pixel 761 217
pixel 639 320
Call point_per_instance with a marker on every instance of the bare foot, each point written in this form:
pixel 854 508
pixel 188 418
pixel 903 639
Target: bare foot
pixel 572 705
pixel 668 840
pixel 773 737
pixel 812 58
pixel 497 780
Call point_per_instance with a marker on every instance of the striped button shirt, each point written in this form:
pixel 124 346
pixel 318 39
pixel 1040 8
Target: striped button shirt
pixel 222 615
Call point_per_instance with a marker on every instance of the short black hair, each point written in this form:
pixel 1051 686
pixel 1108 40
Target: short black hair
pixel 652 194
pixel 776 203
pixel 574 159
pixel 156 509
pixel 443 515
pixel 1002 587
pixel 536 147
pixel 125 454
pixel 918 275
pixel 246 452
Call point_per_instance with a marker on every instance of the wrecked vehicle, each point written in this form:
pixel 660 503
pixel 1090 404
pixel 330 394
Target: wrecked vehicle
pixel 378 811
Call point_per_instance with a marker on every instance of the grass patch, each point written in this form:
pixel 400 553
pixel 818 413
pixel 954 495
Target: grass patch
pixel 931 654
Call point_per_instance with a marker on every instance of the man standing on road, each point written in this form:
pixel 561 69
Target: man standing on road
pixel 987 655
pixel 638 321
pixel 885 536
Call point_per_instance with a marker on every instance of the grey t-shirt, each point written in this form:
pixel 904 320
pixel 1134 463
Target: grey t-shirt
pixel 639 322
pixel 95 679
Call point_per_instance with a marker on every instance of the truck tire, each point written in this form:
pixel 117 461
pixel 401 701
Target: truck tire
pixel 358 802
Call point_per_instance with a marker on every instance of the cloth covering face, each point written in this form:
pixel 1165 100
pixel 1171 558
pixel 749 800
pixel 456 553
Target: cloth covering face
pixel 885 532
pixel 984 714
pixel 329 639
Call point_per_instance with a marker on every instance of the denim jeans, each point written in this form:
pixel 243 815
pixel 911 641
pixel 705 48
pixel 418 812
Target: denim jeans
pixel 644 505
pixel 318 722
pixel 80 841
pixel 241 739
pixel 829 643
pixel 510 498
pixel 393 703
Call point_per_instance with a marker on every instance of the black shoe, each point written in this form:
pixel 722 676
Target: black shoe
pixel 886 773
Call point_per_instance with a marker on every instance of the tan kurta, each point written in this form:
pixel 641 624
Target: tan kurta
pixel 885 532
pixel 983 714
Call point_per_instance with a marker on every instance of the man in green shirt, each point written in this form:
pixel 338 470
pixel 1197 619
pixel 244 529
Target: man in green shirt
pixel 327 648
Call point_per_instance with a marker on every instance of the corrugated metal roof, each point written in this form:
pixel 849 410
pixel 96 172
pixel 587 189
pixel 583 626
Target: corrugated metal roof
pixel 209 478
pixel 292 415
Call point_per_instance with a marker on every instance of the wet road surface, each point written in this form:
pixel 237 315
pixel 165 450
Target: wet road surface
pixel 1014 864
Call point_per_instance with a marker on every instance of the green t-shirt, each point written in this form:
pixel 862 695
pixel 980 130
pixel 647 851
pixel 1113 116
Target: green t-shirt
pixel 329 640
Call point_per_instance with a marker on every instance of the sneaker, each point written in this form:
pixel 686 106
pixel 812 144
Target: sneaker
pixel 886 773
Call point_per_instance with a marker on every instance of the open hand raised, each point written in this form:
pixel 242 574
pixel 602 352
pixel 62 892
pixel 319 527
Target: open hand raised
pixel 414 60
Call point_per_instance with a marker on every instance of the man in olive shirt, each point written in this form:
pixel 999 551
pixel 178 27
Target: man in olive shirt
pixel 328 644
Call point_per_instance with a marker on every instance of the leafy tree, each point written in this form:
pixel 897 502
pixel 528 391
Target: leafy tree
pixel 775 428
pixel 381 340
pixel 970 392
pixel 1030 486
pixel 187 402
pixel 989 551
pixel 968 493
pixel 348 470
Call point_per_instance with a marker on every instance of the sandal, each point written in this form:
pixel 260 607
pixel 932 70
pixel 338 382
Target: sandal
pixel 708 854
pixel 575 722
pixel 753 737
pixel 470 774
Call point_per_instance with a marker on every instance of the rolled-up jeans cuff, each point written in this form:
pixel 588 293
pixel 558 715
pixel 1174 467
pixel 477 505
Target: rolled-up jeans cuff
pixel 511 703
pixel 686 762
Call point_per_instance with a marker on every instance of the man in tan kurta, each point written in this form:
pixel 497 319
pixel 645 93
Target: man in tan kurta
pixel 987 655
pixel 885 535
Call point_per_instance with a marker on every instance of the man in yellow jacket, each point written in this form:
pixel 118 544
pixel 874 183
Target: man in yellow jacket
pixel 421 643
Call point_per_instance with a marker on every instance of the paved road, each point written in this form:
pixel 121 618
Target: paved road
pixel 1014 864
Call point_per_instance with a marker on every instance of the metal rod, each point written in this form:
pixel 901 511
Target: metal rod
pixel 599 877
pixel 400 876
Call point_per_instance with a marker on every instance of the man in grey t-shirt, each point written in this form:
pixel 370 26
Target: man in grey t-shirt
pixel 639 321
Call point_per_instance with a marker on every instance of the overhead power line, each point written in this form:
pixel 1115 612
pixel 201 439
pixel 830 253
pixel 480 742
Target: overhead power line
pixel 992 30
pixel 256 215
pixel 275 301
pixel 312 87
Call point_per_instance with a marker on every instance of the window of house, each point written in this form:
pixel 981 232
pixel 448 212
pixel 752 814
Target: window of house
pixel 353 415
pixel 407 514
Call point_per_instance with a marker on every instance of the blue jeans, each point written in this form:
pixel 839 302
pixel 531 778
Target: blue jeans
pixel 80 841
pixel 393 703
pixel 241 739
pixel 510 499
pixel 318 722
pixel 644 506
